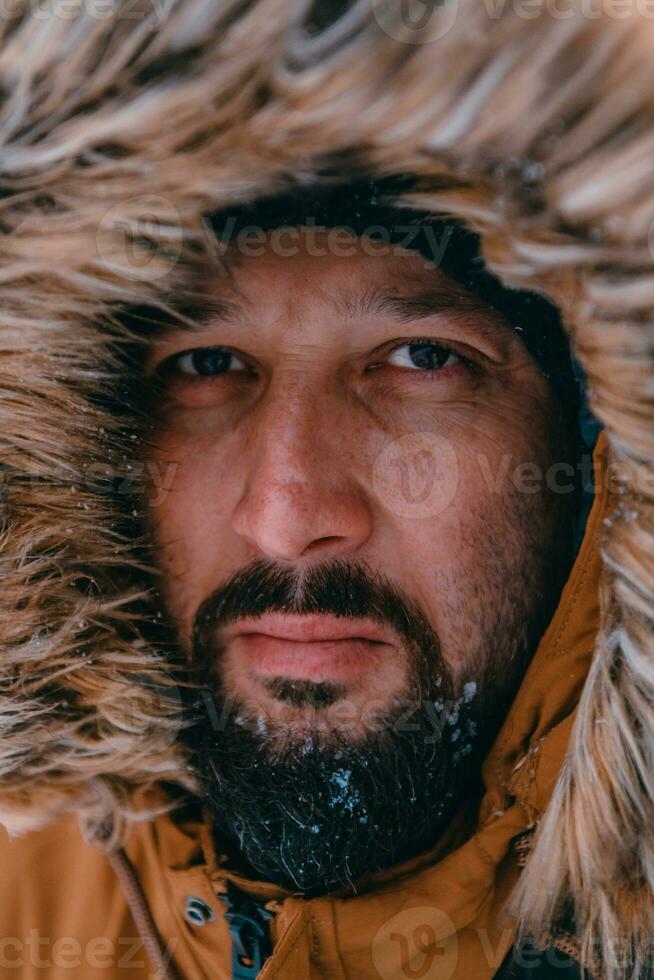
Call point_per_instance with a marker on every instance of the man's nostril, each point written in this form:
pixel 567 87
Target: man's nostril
pixel 328 539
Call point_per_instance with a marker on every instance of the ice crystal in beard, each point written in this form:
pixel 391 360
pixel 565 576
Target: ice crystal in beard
pixel 318 815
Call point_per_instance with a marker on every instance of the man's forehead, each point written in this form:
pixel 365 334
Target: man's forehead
pixel 393 285
pixel 314 254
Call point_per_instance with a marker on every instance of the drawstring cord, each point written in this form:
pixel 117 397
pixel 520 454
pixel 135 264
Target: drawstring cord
pixel 141 914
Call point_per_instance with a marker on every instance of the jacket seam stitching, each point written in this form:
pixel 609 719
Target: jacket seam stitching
pixel 288 952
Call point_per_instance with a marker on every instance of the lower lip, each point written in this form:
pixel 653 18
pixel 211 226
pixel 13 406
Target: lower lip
pixel 318 660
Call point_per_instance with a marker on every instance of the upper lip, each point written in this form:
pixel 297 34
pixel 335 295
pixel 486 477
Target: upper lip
pixel 312 628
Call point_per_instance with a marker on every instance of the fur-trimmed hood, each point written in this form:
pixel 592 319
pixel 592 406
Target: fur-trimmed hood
pixel 118 134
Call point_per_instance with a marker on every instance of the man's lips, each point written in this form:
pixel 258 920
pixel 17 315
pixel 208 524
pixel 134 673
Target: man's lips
pixel 313 647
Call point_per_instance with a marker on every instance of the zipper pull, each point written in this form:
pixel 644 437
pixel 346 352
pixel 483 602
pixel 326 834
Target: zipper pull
pixel 248 927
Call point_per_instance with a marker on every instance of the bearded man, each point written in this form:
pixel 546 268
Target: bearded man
pixel 352 560
pixel 303 548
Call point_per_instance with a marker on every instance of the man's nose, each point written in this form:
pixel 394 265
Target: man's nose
pixel 301 495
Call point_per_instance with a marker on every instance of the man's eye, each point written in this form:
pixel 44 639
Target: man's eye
pixel 423 355
pixel 206 362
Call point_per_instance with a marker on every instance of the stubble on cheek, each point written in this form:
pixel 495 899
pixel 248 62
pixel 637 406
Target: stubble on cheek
pixel 172 563
pixel 508 555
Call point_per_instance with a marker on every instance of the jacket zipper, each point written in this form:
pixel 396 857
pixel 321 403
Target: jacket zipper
pixel 561 939
pixel 248 923
pixel 568 944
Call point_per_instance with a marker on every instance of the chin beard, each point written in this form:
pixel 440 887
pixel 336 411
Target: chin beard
pixel 316 812
pixel 307 807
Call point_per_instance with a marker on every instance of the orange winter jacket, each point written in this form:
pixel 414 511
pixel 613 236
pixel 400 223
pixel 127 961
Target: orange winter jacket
pixel 68 911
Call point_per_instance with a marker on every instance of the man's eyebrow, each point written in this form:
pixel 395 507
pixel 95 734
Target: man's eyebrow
pixel 448 299
pixel 207 311
pixel 428 301
pixel 191 315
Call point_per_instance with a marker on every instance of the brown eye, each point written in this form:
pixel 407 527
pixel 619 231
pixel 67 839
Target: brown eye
pixel 423 356
pixel 206 362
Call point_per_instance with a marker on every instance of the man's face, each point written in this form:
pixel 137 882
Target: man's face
pixel 350 522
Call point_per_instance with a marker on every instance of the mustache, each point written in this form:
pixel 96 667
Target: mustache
pixel 348 589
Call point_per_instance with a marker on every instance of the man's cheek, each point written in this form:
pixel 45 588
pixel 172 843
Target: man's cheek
pixel 416 476
pixel 173 563
pixel 519 462
pixel 160 477
pixel 177 556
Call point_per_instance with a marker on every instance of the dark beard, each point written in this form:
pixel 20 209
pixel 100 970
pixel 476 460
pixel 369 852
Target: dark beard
pixel 315 818
pixel 318 811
